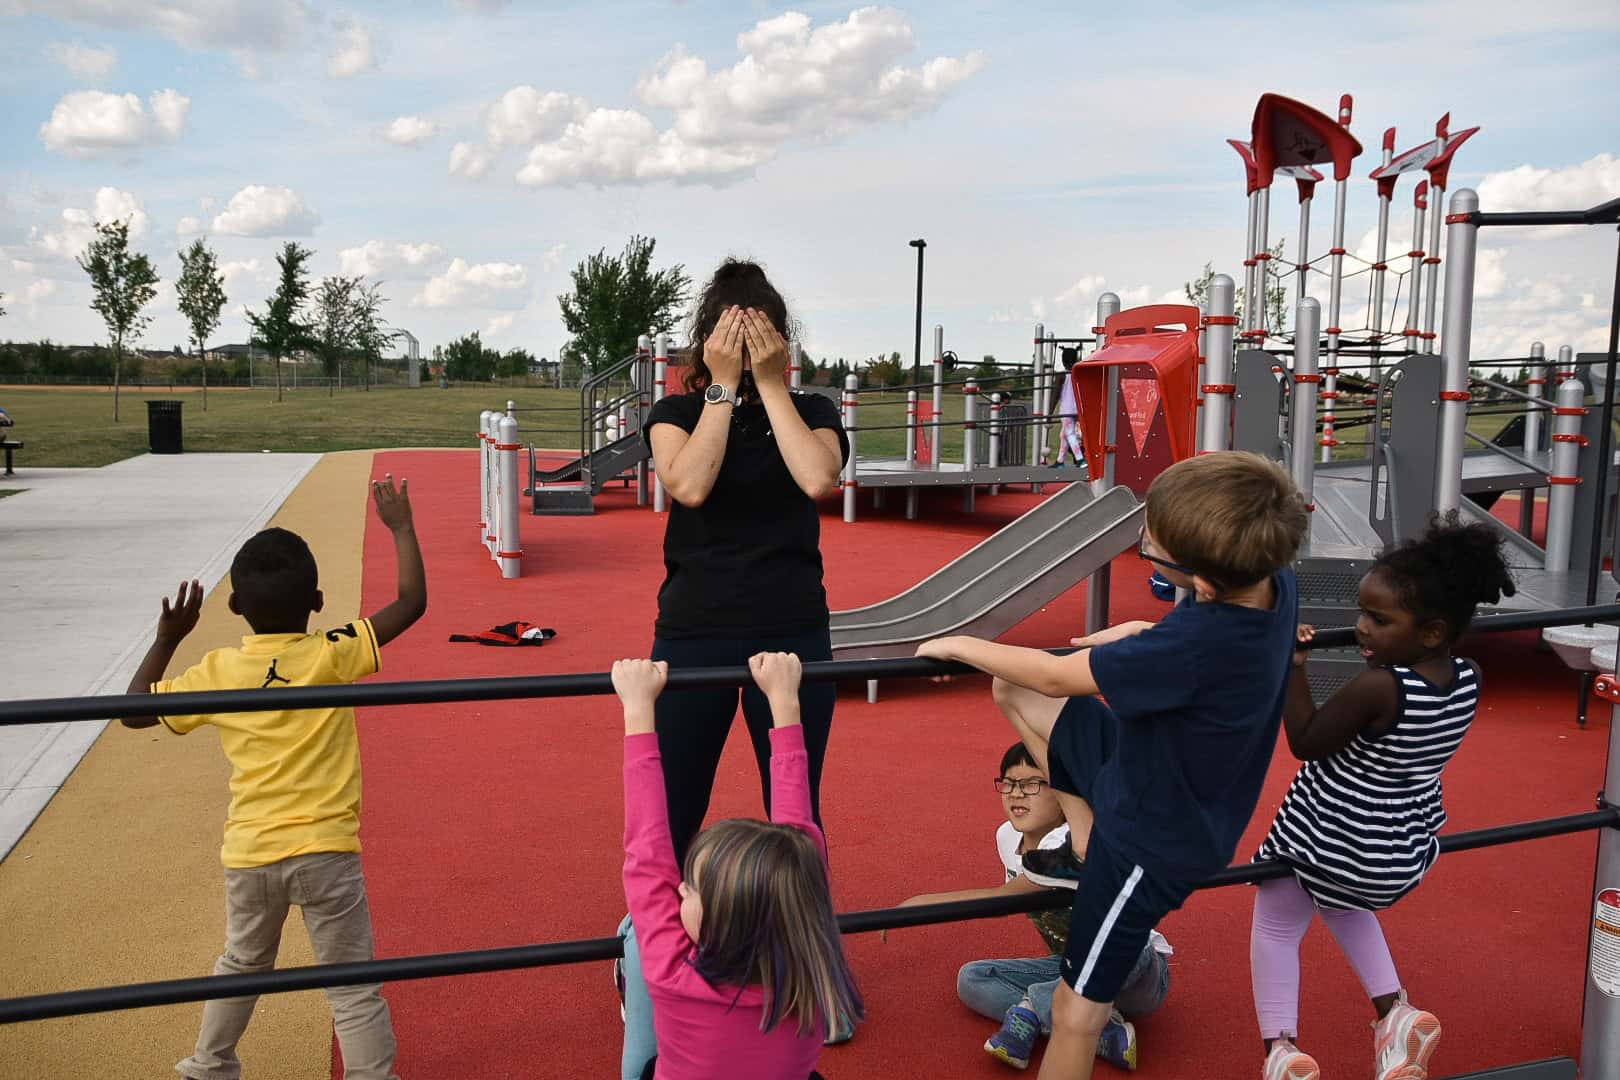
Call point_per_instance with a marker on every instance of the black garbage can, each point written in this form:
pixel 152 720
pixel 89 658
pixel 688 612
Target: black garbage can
pixel 163 426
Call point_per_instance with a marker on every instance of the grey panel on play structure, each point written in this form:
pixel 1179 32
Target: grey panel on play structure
pixel 1405 460
pixel 1586 493
pixel 1005 578
pixel 1258 400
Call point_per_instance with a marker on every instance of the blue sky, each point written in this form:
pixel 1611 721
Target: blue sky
pixel 1047 151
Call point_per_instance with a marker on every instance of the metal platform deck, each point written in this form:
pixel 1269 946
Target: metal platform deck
pixel 897 472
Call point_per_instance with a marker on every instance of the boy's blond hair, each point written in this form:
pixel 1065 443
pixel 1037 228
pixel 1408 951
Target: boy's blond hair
pixel 1233 518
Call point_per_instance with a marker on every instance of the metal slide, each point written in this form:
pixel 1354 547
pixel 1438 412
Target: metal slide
pixel 1004 579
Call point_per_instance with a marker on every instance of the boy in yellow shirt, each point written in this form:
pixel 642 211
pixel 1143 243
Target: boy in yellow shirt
pixel 292 832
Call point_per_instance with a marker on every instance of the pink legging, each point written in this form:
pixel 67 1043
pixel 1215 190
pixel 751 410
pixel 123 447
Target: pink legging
pixel 1283 911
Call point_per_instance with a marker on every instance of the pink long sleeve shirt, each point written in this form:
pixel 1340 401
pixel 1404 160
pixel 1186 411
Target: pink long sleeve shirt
pixel 705 1031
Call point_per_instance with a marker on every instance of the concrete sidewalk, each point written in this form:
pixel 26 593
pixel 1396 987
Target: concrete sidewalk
pixel 85 555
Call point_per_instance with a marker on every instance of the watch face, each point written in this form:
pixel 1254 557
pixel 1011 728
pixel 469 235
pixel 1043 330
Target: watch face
pixel 715 393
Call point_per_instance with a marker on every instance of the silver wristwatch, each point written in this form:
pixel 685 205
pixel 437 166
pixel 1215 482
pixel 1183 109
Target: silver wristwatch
pixel 716 393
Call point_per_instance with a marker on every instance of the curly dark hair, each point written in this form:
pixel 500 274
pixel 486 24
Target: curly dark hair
pixel 739 283
pixel 1448 572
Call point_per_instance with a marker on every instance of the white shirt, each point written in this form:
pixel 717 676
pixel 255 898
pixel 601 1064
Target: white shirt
pixel 1008 840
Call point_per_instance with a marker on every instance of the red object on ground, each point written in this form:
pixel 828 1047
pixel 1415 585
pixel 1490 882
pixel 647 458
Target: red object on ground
pixel 490 824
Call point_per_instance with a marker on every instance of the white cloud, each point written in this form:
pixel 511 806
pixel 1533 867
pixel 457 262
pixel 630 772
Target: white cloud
pixel 410 131
pixel 552 260
pixel 487 6
pixel 237 268
pixel 376 257
pixel 792 82
pixel 38 290
pixel 466 284
pixel 1490 276
pixel 470 161
pixel 1574 187
pixel 500 324
pixel 524 115
pixel 353 52
pixel 187 226
pixel 86 64
pixel 1086 289
pixel 79 225
pixel 90 122
pixel 259 210
pixel 272 24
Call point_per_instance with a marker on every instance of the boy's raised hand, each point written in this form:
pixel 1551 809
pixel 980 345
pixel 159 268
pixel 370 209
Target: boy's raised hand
pixel 178 621
pixel 778 675
pixel 393 507
pixel 638 684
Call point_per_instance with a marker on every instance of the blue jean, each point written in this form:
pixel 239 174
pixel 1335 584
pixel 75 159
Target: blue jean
pixel 640 1042
pixel 991 987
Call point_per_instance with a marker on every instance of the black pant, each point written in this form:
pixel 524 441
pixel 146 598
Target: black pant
pixel 652 1066
pixel 693 724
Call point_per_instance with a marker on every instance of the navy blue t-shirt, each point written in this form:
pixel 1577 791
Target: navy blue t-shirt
pixel 1199 699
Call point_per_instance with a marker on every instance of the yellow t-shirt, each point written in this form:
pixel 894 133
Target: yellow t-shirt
pixel 295 779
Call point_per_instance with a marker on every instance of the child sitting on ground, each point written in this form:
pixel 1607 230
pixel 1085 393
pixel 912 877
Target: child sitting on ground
pixel 1157 785
pixel 740 948
pixel 1019 992
pixel 1359 821
pixel 292 835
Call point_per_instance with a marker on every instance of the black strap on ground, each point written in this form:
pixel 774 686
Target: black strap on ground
pixel 318 976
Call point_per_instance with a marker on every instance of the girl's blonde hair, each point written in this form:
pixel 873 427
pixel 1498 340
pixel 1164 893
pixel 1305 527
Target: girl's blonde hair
pixel 768 922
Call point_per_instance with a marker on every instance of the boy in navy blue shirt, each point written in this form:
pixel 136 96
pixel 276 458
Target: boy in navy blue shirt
pixel 1158 784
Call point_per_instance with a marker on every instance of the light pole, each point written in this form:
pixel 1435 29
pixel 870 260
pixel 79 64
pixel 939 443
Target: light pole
pixel 916 345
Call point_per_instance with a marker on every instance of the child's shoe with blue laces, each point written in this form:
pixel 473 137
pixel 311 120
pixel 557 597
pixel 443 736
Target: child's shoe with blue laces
pixel 1015 1042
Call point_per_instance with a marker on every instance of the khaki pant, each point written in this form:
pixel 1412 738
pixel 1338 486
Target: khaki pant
pixel 331 891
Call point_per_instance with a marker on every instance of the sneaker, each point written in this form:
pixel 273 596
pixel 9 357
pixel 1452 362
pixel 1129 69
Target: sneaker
pixel 1013 1044
pixel 1117 1046
pixel 1288 1062
pixel 1404 1041
pixel 1055 868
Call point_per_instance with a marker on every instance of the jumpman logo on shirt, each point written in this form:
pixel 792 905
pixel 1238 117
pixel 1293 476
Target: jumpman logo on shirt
pixel 271 677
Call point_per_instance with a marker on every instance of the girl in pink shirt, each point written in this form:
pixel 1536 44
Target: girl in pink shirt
pixel 740 949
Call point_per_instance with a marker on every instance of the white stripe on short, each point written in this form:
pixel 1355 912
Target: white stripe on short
pixel 1107 927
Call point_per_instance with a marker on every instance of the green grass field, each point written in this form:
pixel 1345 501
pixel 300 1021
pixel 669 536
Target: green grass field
pixel 74 426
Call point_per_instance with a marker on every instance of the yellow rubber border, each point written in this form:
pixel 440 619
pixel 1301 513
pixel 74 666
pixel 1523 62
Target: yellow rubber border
pixel 119 879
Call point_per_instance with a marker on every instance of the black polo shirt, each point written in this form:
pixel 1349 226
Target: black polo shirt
pixel 748 561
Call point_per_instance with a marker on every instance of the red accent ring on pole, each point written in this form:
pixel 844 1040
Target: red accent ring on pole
pixel 483 524
pixel 1429 335
pixel 490 537
pixel 1264 256
pixel 1535 382
pixel 1219 388
pixel 1220 320
pixel 1380 266
pixel 1571 410
pixel 1309 379
pixel 1337 251
pixel 1418 254
pixel 1432 260
pixel 1460 219
pixel 1248 262
pixel 1456 395
pixel 1564 481
pixel 1110 449
pixel 508 446
pixel 1099 329
pixel 1310 508
pixel 1327 395
pixel 1328 442
pixel 509 554
pixel 1302 266
pixel 1576 438
pixel 1411 333
pixel 1333 330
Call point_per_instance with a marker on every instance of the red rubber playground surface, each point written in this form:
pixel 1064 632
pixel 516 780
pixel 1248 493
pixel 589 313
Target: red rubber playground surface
pixel 489 824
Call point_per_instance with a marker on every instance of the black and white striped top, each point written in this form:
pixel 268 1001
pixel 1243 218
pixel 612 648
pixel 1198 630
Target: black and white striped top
pixel 1359 827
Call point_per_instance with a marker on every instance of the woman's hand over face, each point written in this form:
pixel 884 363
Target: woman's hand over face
pixel 723 351
pixel 767 352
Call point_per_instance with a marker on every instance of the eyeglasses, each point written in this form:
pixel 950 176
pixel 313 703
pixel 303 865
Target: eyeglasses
pixel 1030 788
pixel 1142 553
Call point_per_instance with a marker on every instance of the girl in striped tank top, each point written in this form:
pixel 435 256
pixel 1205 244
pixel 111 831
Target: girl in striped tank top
pixel 1358 824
